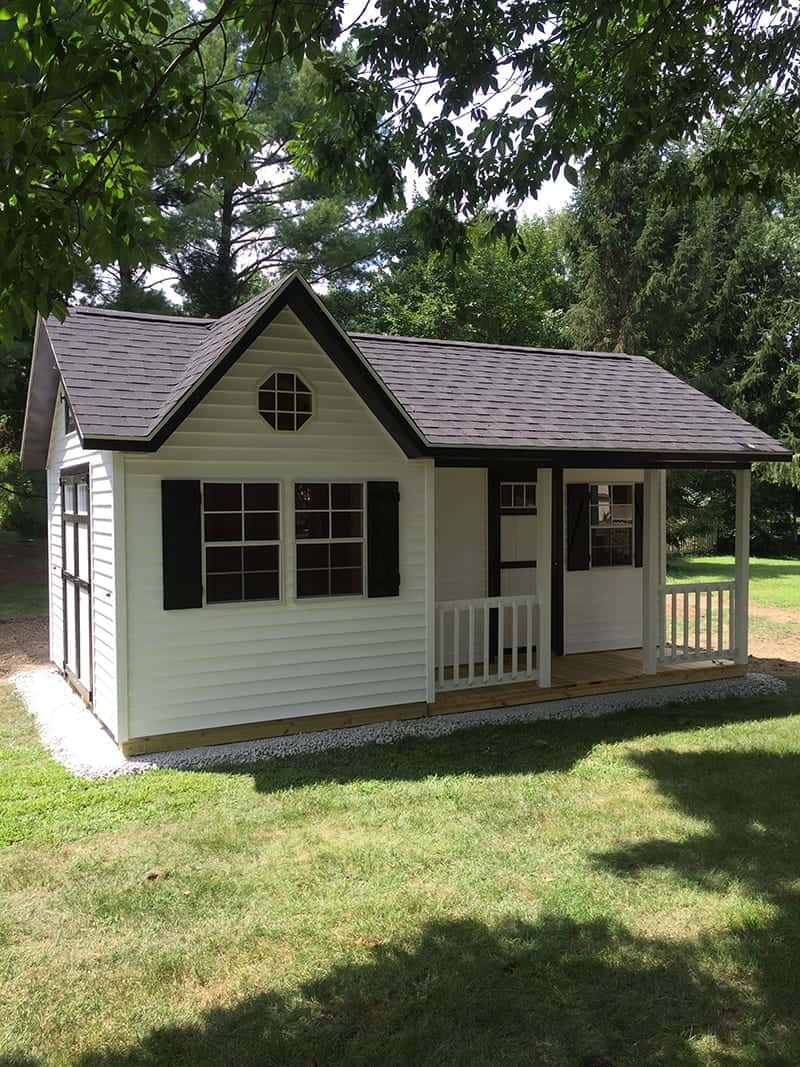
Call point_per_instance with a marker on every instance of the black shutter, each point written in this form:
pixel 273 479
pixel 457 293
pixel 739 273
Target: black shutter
pixel 182 562
pixel 383 539
pixel 577 527
pixel 638 524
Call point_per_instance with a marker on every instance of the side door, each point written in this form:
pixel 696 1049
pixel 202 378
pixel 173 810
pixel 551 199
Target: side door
pixel 512 539
pixel 76 578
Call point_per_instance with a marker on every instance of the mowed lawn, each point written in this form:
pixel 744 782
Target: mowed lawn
pixel 773 582
pixel 620 891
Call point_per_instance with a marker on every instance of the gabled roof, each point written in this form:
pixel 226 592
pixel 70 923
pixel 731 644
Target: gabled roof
pixel 131 379
pixel 465 395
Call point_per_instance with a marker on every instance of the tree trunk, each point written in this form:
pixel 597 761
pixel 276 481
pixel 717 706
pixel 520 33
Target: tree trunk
pixel 226 259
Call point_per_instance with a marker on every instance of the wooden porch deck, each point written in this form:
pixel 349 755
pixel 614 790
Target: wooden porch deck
pixel 584 674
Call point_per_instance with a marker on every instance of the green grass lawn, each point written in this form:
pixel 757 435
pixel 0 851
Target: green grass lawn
pixel 538 895
pixel 773 582
pixel 23 601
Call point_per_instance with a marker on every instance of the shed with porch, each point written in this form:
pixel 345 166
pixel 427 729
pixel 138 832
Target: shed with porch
pixel 261 524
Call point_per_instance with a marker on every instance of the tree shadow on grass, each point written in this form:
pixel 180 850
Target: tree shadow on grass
pixel 522 748
pixel 750 845
pixel 557 992
pixel 560 991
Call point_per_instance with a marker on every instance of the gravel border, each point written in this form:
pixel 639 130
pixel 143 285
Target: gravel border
pixel 80 742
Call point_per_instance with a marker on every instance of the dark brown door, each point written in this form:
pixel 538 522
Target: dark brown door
pixel 76 578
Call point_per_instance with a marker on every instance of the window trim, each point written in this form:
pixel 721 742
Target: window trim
pixel 631 525
pixel 328 597
pixel 512 509
pixel 297 374
pixel 256 602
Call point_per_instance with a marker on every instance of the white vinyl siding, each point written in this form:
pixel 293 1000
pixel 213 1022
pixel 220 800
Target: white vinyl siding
pixel 253 661
pixel 65 451
pixel 602 605
pixel 461 533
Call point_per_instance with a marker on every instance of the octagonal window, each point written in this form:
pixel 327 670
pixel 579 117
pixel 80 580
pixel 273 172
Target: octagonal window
pixel 284 400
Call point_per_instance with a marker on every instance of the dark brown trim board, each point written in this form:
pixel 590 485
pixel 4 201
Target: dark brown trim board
pixel 487 457
pixel 557 567
pixel 340 351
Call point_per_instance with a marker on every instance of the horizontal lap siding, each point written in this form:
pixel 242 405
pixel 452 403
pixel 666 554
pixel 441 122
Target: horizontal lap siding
pixel 65 451
pixel 229 664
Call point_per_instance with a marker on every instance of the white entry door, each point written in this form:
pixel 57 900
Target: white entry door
pixel 76 579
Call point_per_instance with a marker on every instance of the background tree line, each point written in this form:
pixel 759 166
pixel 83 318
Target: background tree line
pixel 643 260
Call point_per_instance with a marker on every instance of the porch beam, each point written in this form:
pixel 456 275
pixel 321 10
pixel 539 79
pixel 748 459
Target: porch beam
pixel 651 570
pixel 544 562
pixel 741 600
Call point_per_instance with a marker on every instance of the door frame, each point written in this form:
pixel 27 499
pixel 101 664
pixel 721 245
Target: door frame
pixel 524 473
pixel 69 574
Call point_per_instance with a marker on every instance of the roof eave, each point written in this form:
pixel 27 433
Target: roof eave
pixel 40 402
pixel 623 459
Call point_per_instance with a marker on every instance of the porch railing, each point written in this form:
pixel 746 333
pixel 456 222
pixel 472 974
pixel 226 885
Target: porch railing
pixel 486 641
pixel 697 621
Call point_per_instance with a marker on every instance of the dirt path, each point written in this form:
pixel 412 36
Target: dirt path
pixel 778 652
pixel 23 644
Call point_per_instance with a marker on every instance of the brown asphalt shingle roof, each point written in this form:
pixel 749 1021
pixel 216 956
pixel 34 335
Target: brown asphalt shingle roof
pixel 476 395
pixel 125 373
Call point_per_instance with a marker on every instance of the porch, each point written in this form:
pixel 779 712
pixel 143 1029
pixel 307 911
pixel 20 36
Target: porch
pixel 508 649
pixel 584 674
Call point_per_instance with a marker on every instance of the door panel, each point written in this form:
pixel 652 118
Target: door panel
pixel 517 538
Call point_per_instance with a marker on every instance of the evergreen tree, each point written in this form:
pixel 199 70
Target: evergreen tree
pixel 707 287
pixel 224 239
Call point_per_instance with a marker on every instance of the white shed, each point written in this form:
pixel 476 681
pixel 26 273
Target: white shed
pixel 260 524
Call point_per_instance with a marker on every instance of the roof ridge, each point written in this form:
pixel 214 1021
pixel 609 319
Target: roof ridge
pixel 440 341
pixel 145 316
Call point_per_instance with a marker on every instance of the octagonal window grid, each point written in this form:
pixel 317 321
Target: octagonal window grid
pixel 285 401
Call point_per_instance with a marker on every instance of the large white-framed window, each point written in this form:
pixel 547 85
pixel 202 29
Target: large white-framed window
pixel 611 525
pixel 241 541
pixel 330 538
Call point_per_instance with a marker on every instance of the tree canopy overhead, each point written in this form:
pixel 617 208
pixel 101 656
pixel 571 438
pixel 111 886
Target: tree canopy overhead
pixel 486 99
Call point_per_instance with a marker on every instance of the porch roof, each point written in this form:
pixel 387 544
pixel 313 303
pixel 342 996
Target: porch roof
pixel 132 378
pixel 465 395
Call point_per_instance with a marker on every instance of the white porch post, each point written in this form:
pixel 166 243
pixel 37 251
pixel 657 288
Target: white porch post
pixel 544 557
pixel 430 572
pixel 741 600
pixel 651 570
pixel 662 530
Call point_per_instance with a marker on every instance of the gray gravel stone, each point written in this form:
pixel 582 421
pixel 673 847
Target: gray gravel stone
pixel 78 741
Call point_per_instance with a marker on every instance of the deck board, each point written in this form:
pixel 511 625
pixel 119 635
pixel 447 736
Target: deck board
pixel 584 674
